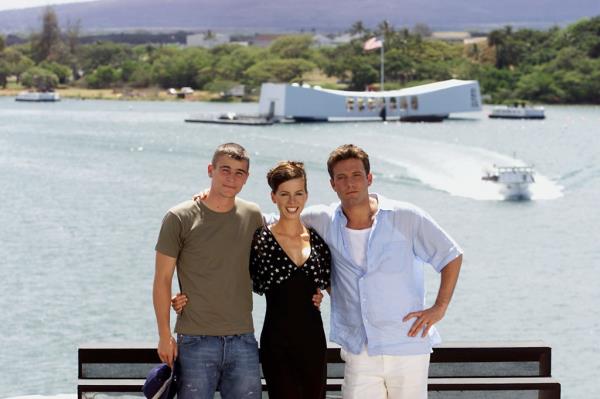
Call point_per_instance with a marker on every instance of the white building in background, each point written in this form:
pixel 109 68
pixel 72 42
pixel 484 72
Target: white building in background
pixel 207 39
pixel 450 36
pixel 430 102
pixel 320 40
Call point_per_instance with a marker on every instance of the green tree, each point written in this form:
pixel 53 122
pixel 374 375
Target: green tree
pixel 39 79
pixel 73 47
pixel 62 72
pixel 422 30
pixel 585 35
pixel 234 65
pixel 47 44
pixel 363 74
pixel 15 63
pixel 4 73
pixel 277 70
pixel 179 68
pixel 358 28
pixel 103 77
pixel 297 46
pixel 104 54
pixel 539 86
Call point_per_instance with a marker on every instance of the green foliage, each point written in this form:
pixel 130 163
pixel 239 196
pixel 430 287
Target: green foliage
pixel 363 74
pixel 4 73
pixel 14 62
pixel 297 46
pixel 220 86
pixel 539 86
pixel 233 65
pixel 47 44
pixel 63 72
pixel 279 70
pixel 39 79
pixel 103 77
pixel 558 65
pixel 181 68
pixel 585 35
pixel 104 54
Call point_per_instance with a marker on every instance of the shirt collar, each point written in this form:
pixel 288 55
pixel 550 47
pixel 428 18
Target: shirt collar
pixel 383 204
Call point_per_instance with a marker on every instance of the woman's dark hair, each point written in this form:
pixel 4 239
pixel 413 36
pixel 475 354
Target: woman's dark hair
pixel 284 171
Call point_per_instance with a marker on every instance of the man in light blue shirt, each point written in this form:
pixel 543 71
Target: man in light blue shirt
pixel 379 247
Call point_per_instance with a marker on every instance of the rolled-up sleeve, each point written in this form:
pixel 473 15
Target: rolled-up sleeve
pixel 432 244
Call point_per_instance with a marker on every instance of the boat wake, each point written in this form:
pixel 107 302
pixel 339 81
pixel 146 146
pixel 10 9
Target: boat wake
pixel 453 168
pixel 457 169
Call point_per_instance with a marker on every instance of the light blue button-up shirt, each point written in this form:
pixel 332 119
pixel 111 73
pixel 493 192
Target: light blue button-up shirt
pixel 368 304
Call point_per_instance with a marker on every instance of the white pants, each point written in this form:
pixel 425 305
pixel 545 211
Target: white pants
pixel 381 377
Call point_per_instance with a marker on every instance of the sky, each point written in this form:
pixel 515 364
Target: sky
pixel 14 4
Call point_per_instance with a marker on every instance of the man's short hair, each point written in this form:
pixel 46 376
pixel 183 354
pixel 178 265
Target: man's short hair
pixel 284 171
pixel 347 151
pixel 232 150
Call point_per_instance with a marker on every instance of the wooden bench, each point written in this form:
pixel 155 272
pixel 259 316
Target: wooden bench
pixel 458 369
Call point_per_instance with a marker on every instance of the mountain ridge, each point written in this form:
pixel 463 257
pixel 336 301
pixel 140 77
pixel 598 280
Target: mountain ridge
pixel 288 15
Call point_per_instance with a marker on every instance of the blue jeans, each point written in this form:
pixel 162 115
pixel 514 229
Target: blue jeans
pixel 228 363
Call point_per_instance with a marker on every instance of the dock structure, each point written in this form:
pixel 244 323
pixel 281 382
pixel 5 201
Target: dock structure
pixel 457 369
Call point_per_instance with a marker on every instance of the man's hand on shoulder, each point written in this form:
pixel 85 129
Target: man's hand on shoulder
pixel 202 195
pixel 425 319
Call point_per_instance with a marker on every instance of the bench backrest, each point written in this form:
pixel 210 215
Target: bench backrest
pixel 465 359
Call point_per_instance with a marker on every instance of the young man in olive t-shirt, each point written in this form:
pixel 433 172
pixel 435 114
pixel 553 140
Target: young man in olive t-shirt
pixel 209 243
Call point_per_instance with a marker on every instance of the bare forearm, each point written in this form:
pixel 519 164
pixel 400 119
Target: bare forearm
pixel 161 297
pixel 448 282
pixel 425 319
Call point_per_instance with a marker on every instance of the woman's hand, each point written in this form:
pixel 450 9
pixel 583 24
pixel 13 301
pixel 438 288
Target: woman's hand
pixel 178 302
pixel 318 298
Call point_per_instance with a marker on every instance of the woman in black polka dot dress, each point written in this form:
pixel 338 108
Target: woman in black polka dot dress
pixel 288 263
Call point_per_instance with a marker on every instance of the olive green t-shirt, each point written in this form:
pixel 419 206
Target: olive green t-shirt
pixel 212 251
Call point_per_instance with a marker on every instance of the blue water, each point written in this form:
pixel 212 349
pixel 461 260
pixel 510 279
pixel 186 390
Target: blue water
pixel 84 186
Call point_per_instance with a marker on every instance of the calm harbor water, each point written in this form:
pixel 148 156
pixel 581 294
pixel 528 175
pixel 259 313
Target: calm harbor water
pixel 85 184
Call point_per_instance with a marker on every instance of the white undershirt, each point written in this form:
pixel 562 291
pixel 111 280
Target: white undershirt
pixel 357 244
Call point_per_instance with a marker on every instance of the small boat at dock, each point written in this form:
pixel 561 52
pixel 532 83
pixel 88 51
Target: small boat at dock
pixel 38 96
pixel 231 118
pixel 516 112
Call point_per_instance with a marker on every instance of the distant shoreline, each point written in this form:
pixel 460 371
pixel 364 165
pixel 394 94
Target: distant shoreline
pixel 145 94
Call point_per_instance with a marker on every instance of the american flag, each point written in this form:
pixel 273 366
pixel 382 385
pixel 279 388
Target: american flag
pixel 372 44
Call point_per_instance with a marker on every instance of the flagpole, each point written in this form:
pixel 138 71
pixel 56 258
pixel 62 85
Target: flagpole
pixel 381 64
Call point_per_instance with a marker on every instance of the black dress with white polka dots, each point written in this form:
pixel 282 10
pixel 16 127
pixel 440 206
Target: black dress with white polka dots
pixel 292 343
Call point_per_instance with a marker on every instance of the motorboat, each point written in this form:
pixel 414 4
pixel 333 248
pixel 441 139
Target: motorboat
pixel 517 112
pixel 38 96
pixel 514 181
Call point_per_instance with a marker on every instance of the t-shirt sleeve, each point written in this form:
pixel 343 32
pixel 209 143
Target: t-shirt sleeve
pixel 170 239
pixel 432 244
